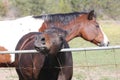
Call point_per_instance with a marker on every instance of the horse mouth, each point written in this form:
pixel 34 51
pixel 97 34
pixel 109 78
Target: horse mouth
pixel 42 50
pixel 103 44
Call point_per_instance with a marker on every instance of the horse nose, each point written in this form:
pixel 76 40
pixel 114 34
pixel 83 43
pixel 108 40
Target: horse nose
pixel 108 43
pixel 39 41
pixel 104 44
pixel 105 41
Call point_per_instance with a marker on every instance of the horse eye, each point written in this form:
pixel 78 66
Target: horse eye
pixel 97 26
pixel 43 39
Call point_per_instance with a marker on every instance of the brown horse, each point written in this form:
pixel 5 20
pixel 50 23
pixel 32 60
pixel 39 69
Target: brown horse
pixel 50 63
pixel 77 25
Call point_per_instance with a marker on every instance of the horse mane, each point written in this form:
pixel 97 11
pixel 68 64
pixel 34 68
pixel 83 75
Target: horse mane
pixel 57 30
pixel 61 17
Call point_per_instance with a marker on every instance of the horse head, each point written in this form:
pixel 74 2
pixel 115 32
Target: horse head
pixel 89 29
pixel 93 32
pixel 50 41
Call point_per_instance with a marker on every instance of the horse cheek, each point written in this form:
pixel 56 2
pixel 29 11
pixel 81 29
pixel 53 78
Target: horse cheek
pixel 87 34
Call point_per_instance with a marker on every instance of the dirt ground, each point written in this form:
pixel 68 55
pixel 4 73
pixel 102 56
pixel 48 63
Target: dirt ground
pixel 8 74
pixel 79 74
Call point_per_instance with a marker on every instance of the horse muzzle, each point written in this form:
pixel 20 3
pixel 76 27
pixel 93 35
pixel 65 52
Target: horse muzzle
pixel 103 44
pixel 42 49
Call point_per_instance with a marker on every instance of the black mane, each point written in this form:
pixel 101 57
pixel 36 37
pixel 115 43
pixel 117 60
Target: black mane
pixel 57 30
pixel 62 17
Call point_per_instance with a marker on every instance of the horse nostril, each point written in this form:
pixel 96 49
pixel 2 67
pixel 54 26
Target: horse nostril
pixel 43 40
pixel 43 43
pixel 37 48
pixel 108 44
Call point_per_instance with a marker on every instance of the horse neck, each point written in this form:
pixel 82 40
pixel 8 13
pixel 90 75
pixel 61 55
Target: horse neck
pixel 72 30
pixel 57 30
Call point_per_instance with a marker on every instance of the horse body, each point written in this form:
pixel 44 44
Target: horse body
pixel 49 64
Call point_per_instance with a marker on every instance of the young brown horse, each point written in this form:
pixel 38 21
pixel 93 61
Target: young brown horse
pixel 77 25
pixel 49 64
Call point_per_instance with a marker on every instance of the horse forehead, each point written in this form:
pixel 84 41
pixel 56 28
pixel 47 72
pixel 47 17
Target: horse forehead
pixel 50 35
pixel 83 16
pixel 89 23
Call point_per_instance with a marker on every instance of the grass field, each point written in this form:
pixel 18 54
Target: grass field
pixel 90 65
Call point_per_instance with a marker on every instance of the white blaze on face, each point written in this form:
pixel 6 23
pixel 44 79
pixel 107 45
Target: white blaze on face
pixel 105 41
pixel 12 30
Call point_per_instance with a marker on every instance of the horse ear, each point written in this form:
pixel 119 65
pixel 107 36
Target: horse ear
pixel 91 15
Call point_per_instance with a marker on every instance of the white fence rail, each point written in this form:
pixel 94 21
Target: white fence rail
pixel 64 50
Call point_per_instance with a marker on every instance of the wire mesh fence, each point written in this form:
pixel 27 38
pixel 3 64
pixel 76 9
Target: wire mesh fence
pixel 97 65
pixel 88 65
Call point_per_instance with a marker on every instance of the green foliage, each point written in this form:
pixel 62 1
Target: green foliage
pixel 3 9
pixel 28 7
pixel 106 9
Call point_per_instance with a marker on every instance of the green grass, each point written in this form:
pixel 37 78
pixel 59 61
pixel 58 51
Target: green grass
pixel 105 60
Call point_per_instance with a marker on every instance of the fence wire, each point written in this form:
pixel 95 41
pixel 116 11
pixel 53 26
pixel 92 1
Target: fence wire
pixel 64 50
pixel 107 70
pixel 85 70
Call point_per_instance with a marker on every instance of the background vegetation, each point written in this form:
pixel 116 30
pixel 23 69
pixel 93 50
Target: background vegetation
pixel 106 9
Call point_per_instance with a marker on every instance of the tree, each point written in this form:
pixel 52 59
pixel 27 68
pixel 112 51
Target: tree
pixel 109 8
pixel 3 8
